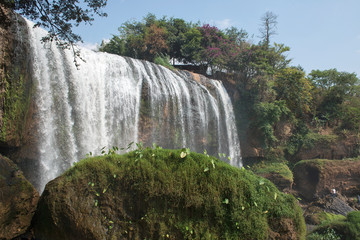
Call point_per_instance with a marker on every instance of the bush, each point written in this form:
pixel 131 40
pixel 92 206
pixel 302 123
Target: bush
pixel 163 60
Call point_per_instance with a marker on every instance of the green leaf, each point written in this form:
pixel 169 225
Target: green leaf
pixel 213 163
pixel 96 203
pixel 104 190
pixel 206 169
pixel 111 222
pixel 275 196
pixel 188 151
pixel 261 182
pixel 255 204
pixel 115 176
pixel 130 144
pixel 226 201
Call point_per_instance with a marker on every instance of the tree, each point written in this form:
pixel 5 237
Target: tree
pixel 333 90
pixel 59 16
pixel 268 27
pixel 292 86
pixel 155 41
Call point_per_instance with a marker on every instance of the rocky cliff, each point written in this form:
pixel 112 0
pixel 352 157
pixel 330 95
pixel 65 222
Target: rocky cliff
pixel 17 108
pixel 315 178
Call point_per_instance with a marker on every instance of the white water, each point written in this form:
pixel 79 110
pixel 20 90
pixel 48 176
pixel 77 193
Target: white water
pixel 112 101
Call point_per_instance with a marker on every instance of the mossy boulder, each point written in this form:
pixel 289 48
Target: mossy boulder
pixel 277 172
pixel 347 228
pixel 18 200
pixel 164 194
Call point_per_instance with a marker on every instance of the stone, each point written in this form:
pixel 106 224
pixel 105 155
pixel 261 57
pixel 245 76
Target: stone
pixel 18 200
pixel 315 178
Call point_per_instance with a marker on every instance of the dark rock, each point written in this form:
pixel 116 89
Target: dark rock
pixel 18 200
pixel 337 206
pixel 315 178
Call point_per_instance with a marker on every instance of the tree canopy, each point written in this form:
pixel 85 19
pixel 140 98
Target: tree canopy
pixel 59 16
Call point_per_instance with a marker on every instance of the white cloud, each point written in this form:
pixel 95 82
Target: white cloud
pixel 223 24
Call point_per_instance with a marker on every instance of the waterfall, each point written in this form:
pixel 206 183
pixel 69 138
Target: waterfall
pixel 113 101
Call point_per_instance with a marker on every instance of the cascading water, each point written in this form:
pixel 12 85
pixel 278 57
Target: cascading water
pixel 112 101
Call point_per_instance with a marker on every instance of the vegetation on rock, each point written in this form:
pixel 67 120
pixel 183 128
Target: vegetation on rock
pixel 164 194
pixel 338 228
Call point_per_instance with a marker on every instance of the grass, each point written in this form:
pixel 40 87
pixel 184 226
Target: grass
pixel 274 167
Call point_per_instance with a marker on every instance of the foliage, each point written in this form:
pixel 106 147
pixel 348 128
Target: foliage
pixel 339 228
pixel 303 137
pixel 329 234
pixel 189 195
pixel 164 61
pixel 292 86
pixel 333 90
pixel 59 16
pixel 269 113
pixel 155 41
pixel 205 46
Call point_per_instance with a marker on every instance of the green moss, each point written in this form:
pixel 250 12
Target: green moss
pixel 195 197
pixel 319 163
pixel 347 228
pixel 273 167
pixel 325 217
pixel 16 96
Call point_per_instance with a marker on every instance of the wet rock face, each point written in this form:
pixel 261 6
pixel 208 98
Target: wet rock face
pixel 18 112
pixel 316 178
pixel 18 200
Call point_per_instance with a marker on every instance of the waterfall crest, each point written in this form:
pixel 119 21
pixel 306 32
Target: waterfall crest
pixel 112 101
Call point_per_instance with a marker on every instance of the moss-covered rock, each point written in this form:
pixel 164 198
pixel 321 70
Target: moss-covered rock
pixel 277 172
pixel 18 200
pixel 338 228
pixel 164 194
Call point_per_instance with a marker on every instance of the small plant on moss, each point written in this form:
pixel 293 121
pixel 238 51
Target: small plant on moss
pixel 329 234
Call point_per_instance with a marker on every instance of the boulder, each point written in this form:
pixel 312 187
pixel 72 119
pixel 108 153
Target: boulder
pixel 164 194
pixel 315 178
pixel 277 172
pixel 18 200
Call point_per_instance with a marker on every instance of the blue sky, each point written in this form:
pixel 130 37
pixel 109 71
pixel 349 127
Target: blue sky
pixel 321 34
